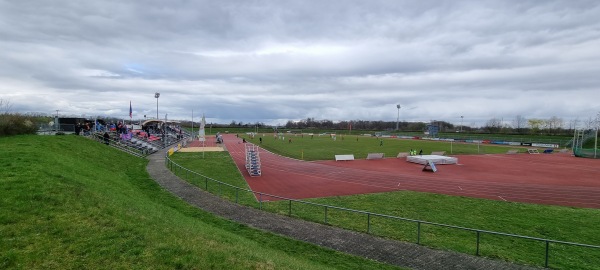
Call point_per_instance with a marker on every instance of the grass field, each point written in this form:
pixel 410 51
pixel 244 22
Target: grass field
pixel 551 222
pixel 67 202
pixel 323 147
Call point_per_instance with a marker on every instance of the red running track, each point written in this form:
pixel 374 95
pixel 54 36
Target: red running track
pixel 554 179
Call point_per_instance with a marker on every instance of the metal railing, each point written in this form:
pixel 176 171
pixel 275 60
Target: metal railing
pixel 175 168
pixel 136 151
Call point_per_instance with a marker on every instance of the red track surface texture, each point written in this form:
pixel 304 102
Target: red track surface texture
pixel 555 179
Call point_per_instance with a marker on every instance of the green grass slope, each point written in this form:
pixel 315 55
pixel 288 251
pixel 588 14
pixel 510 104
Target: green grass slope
pixel 67 202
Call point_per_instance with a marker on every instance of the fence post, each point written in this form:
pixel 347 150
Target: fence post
pixel 368 222
pixel 290 208
pixel 418 233
pixel 325 214
pixel 477 252
pixel 547 251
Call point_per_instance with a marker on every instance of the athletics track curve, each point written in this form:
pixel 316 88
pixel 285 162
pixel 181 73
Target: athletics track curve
pixel 553 179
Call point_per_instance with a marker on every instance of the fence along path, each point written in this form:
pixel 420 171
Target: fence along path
pixel 360 244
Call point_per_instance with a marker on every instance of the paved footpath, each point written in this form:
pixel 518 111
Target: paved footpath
pixel 360 244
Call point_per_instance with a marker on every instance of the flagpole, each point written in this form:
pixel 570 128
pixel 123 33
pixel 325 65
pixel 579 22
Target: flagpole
pixel 130 114
pixel 202 133
pixel 192 125
pixel 204 139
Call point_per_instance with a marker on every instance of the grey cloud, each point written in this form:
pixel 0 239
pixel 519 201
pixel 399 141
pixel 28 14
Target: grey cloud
pixel 268 61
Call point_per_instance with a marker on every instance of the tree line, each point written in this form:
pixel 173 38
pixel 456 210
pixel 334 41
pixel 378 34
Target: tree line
pixel 519 125
pixel 550 126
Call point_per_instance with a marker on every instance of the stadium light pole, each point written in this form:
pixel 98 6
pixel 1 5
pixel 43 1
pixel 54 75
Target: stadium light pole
pixel 398 119
pixel 56 124
pixel 461 123
pixel 156 95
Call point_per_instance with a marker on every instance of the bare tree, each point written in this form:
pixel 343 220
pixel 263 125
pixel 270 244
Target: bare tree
pixel 573 124
pixel 590 123
pixel 493 125
pixel 5 106
pixel 554 124
pixel 519 123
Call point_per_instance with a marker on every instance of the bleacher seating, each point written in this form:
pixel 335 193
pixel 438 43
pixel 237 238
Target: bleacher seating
pixel 142 142
pixel 532 151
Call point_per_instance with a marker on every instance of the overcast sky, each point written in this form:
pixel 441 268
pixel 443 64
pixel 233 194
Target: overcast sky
pixel 274 61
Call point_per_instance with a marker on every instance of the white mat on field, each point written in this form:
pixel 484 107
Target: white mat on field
pixel 436 159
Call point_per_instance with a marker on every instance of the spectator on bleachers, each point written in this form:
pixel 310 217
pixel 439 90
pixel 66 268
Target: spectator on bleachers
pixel 86 129
pixel 106 138
pixel 78 128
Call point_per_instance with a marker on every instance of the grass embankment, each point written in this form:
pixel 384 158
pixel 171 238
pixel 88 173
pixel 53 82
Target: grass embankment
pixel 550 222
pixel 71 203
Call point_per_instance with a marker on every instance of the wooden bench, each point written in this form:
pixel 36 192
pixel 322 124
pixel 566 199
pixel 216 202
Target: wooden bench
pixel 402 155
pixel 439 153
pixel 375 155
pixel 512 151
pixel 344 157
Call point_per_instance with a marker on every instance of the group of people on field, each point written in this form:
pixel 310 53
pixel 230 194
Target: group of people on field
pixel 414 152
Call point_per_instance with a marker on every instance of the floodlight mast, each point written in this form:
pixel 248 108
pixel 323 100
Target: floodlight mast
pixel 398 119
pixel 56 124
pixel 156 95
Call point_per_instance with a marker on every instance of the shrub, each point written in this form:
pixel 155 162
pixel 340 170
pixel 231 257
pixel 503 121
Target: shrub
pixel 16 124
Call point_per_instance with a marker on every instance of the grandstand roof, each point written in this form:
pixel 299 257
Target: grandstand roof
pixel 158 121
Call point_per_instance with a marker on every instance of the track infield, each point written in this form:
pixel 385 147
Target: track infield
pixel 552 179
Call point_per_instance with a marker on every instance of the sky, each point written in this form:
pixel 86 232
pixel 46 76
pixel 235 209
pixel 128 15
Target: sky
pixel 274 61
